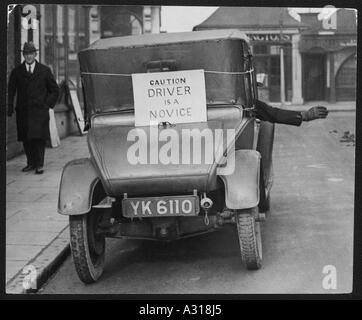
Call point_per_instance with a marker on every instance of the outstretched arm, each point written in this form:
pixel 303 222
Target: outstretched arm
pixel 266 112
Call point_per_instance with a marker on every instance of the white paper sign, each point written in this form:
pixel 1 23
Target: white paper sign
pixel 175 97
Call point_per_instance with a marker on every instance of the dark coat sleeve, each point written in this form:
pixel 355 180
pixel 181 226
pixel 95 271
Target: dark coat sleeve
pixel 11 91
pixel 53 90
pixel 268 113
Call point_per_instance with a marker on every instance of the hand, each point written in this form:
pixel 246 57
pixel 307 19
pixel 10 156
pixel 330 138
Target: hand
pixel 318 112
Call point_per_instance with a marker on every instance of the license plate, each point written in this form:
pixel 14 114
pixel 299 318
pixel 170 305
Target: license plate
pixel 161 206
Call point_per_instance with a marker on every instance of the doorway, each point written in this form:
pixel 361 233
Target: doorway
pixel 346 80
pixel 314 76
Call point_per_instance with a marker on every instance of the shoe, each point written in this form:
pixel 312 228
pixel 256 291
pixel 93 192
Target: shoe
pixel 39 170
pixel 28 168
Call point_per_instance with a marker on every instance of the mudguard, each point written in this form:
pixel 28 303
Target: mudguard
pixel 77 184
pixel 265 147
pixel 242 186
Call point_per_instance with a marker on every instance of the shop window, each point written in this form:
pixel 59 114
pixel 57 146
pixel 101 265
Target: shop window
pixel 72 29
pixel 48 36
pixel 65 33
pixel 260 49
pixel 262 71
pixel 82 27
pixel 274 50
pixel 72 45
pixel 267 68
pixel 275 71
pixel 60 45
pixel 274 79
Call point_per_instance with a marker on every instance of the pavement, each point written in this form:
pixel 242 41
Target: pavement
pixel 37 237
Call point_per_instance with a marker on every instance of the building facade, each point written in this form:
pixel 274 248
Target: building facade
pixel 60 31
pixel 329 56
pixel 319 53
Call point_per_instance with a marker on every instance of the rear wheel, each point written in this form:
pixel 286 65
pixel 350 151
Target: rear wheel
pixel 249 238
pixel 88 248
pixel 267 204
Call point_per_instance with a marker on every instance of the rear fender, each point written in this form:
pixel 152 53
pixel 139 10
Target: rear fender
pixel 77 185
pixel 242 186
pixel 265 147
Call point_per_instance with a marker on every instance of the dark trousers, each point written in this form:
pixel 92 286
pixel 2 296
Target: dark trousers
pixel 34 150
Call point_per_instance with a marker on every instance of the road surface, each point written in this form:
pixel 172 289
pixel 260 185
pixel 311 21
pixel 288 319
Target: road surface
pixel 307 238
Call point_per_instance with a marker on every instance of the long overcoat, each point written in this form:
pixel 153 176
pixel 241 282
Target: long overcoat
pixel 36 93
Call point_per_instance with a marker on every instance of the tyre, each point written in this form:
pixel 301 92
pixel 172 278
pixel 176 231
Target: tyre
pixel 88 248
pixel 266 206
pixel 264 203
pixel 249 238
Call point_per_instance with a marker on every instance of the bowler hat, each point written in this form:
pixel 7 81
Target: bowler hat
pixel 29 47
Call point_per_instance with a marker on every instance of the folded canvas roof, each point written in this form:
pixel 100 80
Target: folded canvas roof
pixel 108 64
pixel 166 38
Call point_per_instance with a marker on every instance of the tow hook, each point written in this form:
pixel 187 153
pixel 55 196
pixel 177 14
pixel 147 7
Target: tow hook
pixel 206 204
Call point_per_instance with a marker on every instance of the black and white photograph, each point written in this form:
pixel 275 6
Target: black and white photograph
pixel 180 150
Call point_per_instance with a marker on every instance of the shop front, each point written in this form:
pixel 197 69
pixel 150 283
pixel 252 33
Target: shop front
pixel 60 32
pixel 271 31
pixel 329 64
pixel 266 51
pixel 329 56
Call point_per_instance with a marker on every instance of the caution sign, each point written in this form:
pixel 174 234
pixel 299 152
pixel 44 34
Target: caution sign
pixel 174 97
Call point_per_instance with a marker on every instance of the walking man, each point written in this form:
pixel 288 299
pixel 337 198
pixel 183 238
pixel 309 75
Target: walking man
pixel 36 91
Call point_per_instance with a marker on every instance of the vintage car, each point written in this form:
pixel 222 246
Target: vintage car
pixel 175 149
